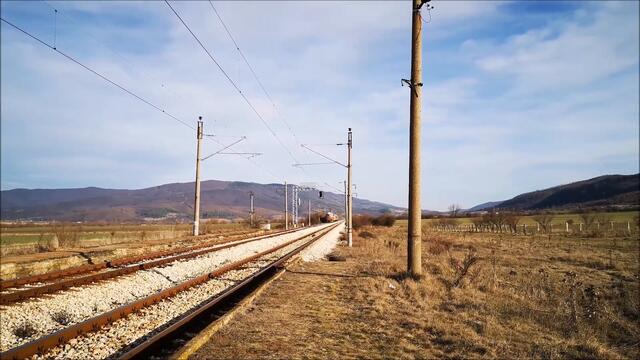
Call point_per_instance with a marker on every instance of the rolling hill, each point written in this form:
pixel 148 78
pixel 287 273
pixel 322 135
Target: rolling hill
pixel 602 191
pixel 219 199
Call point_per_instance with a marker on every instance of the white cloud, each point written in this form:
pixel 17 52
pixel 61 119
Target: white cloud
pixel 326 66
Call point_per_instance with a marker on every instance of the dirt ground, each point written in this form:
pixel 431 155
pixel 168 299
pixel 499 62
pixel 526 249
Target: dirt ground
pixel 520 297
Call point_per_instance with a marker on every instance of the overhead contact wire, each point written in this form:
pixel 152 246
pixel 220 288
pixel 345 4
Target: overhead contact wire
pixel 103 77
pixel 232 82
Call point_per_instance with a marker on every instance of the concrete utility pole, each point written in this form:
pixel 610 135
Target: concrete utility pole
pixel 196 206
pixel 251 210
pixel 286 207
pixel 349 200
pixel 346 207
pixel 414 248
pixel 294 220
pixel 309 212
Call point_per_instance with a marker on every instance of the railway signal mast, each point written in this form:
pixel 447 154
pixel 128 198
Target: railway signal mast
pixel 196 207
pixel 199 136
pixel 251 209
pixel 348 192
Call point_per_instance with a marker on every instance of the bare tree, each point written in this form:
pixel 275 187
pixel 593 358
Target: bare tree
pixel 589 220
pixel 512 220
pixel 495 219
pixel 544 220
pixel 454 210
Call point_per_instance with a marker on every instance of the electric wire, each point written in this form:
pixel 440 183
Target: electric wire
pixel 273 133
pixel 103 77
pixel 255 76
pixel 244 97
pixel 147 102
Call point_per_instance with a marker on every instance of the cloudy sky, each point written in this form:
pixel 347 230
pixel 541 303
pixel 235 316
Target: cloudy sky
pixel 518 96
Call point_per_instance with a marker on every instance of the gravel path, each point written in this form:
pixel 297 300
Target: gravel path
pixel 54 312
pixel 324 246
pixel 114 339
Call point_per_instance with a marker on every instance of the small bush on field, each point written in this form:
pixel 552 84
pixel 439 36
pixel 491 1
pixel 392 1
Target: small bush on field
pixel 366 235
pixel 384 220
pixel 24 330
pixel 437 246
pixel 462 269
pixel 68 236
pixel 359 221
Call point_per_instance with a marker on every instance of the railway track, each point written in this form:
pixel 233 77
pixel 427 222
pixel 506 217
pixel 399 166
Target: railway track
pixel 134 328
pixel 83 269
pixel 26 288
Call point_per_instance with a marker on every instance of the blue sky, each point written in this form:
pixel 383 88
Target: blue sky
pixel 519 96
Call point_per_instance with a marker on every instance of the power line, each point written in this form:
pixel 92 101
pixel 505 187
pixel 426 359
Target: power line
pixel 255 76
pixel 103 77
pixel 232 82
pixel 273 133
pixel 124 89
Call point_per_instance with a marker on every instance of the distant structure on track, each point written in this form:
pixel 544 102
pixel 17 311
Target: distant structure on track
pixel 329 217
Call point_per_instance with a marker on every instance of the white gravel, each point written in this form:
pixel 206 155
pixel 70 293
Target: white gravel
pixel 111 341
pixel 323 247
pixel 82 303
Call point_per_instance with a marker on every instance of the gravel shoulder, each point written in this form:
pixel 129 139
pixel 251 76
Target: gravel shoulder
pixel 314 309
pixel 78 304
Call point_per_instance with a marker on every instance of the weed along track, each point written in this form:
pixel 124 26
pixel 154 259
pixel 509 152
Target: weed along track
pixel 34 286
pixel 126 316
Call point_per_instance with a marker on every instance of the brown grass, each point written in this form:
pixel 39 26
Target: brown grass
pixel 520 297
pixel 514 296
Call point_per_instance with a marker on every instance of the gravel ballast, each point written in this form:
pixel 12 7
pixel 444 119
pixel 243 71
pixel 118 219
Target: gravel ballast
pixel 115 339
pixel 54 312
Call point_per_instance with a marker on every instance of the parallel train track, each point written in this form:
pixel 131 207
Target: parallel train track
pixel 166 314
pixel 33 286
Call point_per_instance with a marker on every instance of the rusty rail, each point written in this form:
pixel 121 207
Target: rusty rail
pixel 21 295
pixel 53 275
pixel 41 345
pixel 139 350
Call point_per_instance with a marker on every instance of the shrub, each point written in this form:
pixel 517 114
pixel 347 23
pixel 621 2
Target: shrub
pixel 366 235
pixel 364 220
pixel 384 220
pixel 359 221
pixel 61 317
pixel 24 330
pixel 437 246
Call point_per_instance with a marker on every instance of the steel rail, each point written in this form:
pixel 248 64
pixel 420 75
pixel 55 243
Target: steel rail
pixel 29 293
pixel 53 275
pixel 139 350
pixel 42 344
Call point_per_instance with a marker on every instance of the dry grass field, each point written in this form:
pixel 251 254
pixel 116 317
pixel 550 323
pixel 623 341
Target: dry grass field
pixel 77 233
pixel 482 296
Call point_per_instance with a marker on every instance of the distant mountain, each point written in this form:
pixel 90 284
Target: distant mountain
pixel 219 199
pixel 602 191
pixel 484 206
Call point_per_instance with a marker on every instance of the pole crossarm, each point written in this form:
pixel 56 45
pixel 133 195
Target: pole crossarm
pixel 324 156
pixel 224 148
pixel 311 164
pixel 251 154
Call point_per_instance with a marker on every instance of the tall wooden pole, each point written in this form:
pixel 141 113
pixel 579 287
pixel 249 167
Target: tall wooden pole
pixel 309 212
pixel 414 248
pixel 349 199
pixel 196 206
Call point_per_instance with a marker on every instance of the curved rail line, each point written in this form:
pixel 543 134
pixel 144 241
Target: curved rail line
pixel 43 344
pixel 22 295
pixel 77 270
